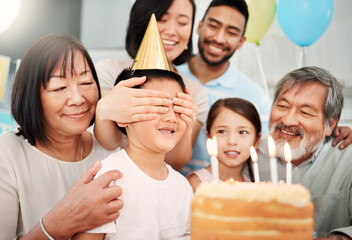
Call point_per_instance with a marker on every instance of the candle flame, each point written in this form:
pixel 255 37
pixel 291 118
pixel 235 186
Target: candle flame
pixel 212 146
pixel 287 150
pixel 254 155
pixel 271 146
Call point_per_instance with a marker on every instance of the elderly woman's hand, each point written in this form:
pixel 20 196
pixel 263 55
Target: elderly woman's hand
pixel 88 204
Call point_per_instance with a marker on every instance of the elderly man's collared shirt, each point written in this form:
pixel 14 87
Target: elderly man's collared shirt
pixel 328 176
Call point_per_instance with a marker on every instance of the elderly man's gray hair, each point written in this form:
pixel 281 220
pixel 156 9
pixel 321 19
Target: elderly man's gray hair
pixel 333 100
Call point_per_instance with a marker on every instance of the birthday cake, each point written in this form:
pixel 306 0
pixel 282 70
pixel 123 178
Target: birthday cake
pixel 235 210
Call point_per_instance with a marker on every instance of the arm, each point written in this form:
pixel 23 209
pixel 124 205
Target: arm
pixel 88 204
pixel 89 236
pixel 342 134
pixel 336 236
pixel 180 155
pixel 122 105
pixel 182 152
pixel 194 181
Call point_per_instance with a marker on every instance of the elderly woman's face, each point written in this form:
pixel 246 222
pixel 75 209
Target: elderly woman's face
pixel 69 102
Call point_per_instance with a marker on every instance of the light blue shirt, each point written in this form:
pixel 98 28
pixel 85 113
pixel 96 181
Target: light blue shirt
pixel 232 83
pixel 328 177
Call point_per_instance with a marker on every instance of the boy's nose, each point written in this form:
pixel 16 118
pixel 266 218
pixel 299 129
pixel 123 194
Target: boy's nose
pixel 170 116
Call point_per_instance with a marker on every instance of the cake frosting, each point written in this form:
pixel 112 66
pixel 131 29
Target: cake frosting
pixel 235 210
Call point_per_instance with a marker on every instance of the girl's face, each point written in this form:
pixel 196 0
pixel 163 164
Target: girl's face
pixel 159 135
pixel 69 102
pixel 234 135
pixel 175 28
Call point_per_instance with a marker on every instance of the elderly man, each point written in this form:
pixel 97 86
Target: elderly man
pixel 306 109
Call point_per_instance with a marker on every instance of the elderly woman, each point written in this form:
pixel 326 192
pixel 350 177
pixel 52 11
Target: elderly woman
pixel 47 166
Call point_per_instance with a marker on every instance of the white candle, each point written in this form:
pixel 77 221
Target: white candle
pixel 212 147
pixel 254 157
pixel 288 158
pixel 273 162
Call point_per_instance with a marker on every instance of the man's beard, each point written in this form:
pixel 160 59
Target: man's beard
pixel 214 63
pixel 306 146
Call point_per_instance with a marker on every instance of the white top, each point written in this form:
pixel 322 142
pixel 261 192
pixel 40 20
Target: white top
pixel 109 69
pixel 149 205
pixel 32 183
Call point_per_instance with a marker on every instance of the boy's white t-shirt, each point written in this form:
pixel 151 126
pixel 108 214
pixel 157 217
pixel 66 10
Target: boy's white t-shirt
pixel 149 205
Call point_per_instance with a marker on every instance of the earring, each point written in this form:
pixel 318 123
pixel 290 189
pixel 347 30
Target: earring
pixel 186 48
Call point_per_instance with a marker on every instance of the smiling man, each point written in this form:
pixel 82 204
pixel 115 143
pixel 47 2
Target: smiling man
pixel 221 33
pixel 306 109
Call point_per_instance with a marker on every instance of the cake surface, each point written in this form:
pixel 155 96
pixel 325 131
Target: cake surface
pixel 235 210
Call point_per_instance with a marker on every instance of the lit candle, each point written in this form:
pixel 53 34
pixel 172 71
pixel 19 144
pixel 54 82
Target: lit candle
pixel 288 158
pixel 273 163
pixel 212 147
pixel 254 157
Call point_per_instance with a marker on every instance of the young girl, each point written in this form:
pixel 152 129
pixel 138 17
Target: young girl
pixel 155 196
pixel 236 124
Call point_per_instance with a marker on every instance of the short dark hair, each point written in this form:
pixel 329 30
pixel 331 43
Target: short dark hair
pixel 152 75
pixel 239 5
pixel 241 107
pixel 34 72
pixel 139 18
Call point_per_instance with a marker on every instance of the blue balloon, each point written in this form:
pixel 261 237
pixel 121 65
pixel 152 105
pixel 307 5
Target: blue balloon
pixel 304 21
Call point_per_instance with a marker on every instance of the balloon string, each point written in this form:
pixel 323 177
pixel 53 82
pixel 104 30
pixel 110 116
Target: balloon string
pixel 265 83
pixel 302 57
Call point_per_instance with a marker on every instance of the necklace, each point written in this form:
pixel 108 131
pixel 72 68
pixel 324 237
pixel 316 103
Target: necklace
pixel 53 154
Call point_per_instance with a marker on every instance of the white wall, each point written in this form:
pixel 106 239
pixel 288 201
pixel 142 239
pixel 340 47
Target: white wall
pixel 104 23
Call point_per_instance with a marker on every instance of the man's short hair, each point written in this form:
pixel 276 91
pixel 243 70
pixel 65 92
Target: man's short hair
pixel 334 98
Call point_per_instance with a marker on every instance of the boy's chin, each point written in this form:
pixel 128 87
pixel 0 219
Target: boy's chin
pixel 166 148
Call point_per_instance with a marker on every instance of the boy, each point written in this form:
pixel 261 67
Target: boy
pixel 155 196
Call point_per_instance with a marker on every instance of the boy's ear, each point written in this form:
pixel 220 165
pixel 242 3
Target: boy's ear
pixel 123 125
pixel 257 141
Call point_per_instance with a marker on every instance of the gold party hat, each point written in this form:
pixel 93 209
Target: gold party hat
pixel 151 53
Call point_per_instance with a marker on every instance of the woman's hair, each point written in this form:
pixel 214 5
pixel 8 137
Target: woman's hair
pixel 152 75
pixel 241 107
pixel 34 72
pixel 139 18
